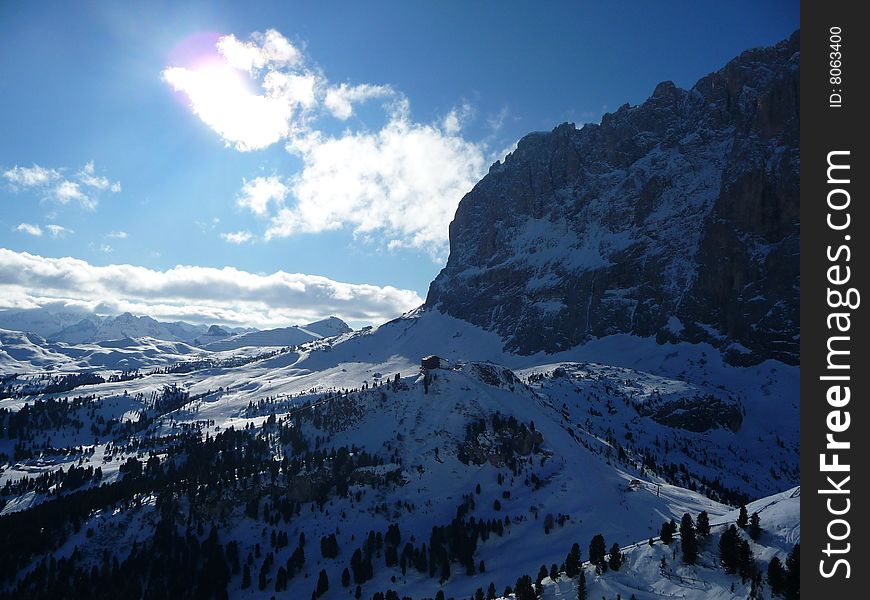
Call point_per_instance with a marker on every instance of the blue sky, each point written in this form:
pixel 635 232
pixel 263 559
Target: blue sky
pixel 271 162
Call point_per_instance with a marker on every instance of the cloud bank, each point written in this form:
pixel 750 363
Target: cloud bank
pixel 197 294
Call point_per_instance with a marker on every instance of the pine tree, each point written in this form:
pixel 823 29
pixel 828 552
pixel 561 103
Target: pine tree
pixel 702 527
pixel 775 576
pixel 615 557
pixel 572 561
pixel 666 533
pixel 356 565
pixel 745 560
pixel 597 550
pixel 728 554
pixel 329 546
pixel 581 587
pixel 246 577
pixel 490 591
pixel 281 580
pixel 445 568
pixel 261 580
pixel 322 583
pixel 754 527
pixel 689 542
pixel 345 578
pixel 793 573
pixel 742 518
pixel 524 589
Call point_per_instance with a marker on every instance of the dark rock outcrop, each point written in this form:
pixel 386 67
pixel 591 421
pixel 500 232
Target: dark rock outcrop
pixel 676 218
pixel 698 413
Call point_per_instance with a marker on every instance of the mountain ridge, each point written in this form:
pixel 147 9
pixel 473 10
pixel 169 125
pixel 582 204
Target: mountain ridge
pixel 73 327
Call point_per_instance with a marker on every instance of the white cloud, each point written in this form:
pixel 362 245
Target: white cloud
pixel 270 48
pixel 31 176
pixel 455 120
pixel 497 120
pixel 100 182
pixel 69 190
pixel 404 181
pixel 29 229
pixel 195 293
pixel 237 237
pixel 295 88
pixel 259 192
pixel 340 100
pixel 117 235
pixel 58 230
pixel 400 183
pixel 53 185
pixel 206 226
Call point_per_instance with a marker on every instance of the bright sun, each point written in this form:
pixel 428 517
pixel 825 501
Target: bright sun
pixel 220 95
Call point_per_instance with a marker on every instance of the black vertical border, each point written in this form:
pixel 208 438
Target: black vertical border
pixel 825 129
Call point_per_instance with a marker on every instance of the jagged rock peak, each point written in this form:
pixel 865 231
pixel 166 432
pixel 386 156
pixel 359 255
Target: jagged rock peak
pixel 676 218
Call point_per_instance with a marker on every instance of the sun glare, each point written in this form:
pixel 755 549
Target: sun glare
pixel 222 97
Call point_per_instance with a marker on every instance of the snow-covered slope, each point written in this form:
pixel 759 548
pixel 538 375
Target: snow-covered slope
pixel 27 353
pixel 652 571
pixel 529 436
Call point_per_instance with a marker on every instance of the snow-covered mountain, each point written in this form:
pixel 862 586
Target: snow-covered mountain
pixel 328 327
pixel 42 322
pixel 676 218
pixel 282 336
pixel 215 333
pixel 125 325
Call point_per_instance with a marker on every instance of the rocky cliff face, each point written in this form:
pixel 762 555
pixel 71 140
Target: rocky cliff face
pixel 676 218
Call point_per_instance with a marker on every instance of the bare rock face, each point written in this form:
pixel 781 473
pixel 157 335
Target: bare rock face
pixel 676 218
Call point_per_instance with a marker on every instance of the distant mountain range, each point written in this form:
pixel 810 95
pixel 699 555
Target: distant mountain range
pixel 84 328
